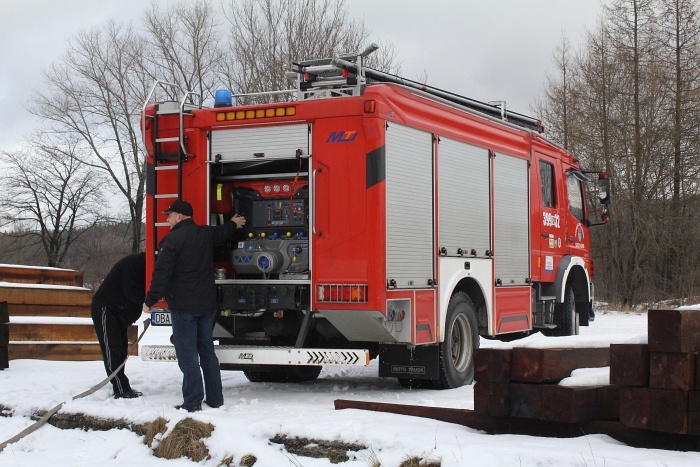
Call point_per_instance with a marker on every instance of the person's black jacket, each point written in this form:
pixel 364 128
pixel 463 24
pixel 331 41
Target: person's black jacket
pixel 124 288
pixel 184 271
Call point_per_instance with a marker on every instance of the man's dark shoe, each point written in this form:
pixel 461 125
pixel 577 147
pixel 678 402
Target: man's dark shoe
pixel 130 394
pixel 214 405
pixel 196 408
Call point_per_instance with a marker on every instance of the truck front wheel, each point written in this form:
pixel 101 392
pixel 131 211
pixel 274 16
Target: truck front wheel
pixel 461 340
pixel 565 316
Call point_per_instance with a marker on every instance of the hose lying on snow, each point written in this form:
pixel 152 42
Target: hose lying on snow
pixel 50 413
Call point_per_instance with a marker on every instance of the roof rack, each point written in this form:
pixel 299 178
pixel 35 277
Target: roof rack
pixel 346 75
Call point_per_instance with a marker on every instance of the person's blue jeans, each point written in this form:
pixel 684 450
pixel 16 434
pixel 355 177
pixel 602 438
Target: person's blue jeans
pixel 194 347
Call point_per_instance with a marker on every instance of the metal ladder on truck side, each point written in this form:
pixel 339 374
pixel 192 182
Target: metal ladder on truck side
pixel 167 161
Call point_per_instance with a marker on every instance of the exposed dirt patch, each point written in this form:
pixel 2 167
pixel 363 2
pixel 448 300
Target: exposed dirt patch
pixel 70 421
pixel 5 411
pixel 416 461
pixel 184 440
pixel 334 451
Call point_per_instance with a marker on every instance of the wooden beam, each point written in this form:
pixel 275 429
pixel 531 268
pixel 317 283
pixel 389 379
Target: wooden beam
pixel 579 404
pixel 59 332
pixel 672 371
pixel 526 400
pixel 694 413
pixel 54 351
pixel 674 330
pixel 535 365
pixel 635 407
pixel 547 428
pixel 492 398
pixel 66 311
pixel 669 411
pixel 492 365
pixel 45 296
pixel 52 332
pixel 39 275
pixel 629 364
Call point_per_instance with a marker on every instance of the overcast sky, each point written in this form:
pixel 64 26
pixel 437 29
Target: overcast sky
pixel 484 49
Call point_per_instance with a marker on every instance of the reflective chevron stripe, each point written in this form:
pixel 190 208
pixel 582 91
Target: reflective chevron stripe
pixel 241 355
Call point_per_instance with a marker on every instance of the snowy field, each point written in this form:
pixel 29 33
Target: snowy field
pixel 255 412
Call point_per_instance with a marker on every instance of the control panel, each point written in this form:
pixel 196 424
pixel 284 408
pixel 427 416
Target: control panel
pixel 275 238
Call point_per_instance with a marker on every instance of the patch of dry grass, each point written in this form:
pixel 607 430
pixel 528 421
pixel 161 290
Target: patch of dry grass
pixel 185 440
pixel 150 430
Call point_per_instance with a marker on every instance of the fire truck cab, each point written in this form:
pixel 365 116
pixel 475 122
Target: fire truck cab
pixel 384 218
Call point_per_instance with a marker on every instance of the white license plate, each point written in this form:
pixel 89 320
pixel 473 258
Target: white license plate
pixel 161 318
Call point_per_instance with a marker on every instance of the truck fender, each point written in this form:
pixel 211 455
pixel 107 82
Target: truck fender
pixel 565 266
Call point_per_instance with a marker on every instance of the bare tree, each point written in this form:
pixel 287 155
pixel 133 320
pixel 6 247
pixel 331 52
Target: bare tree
pixel 266 36
pixel 95 93
pixel 184 49
pixel 554 109
pixel 49 195
pixel 632 110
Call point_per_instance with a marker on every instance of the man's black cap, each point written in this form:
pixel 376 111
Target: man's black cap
pixel 180 206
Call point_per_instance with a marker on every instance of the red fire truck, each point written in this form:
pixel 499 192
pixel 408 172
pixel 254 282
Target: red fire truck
pixel 385 218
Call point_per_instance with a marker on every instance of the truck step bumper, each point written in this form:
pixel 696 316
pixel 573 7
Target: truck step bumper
pixel 243 355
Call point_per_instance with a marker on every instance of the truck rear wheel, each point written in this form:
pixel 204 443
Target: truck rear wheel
pixel 461 340
pixel 565 316
pixel 283 374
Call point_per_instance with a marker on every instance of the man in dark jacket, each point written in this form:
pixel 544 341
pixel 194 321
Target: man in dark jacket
pixel 115 306
pixel 184 275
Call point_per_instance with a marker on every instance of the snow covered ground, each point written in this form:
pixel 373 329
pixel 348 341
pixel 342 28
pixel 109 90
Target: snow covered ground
pixel 254 412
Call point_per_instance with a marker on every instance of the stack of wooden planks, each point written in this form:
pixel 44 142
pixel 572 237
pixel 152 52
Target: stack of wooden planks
pixel 660 381
pixel 522 382
pixel 49 314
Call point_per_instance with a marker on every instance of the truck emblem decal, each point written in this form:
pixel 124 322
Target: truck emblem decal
pixel 245 356
pixel 342 137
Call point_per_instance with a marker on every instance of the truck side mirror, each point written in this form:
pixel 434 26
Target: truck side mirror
pixel 604 196
pixel 604 188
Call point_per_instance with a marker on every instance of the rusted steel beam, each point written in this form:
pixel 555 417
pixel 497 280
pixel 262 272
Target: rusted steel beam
pixel 523 426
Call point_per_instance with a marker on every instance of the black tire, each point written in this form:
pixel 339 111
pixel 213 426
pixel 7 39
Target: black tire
pixel 283 374
pixel 565 316
pixel 461 341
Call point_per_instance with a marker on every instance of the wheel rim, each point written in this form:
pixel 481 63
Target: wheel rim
pixel 460 343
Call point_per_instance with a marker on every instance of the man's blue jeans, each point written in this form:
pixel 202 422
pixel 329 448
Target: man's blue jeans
pixel 194 347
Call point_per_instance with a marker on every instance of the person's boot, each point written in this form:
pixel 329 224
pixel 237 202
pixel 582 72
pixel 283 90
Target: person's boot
pixel 130 394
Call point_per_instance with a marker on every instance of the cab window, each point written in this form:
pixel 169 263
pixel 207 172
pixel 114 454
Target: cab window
pixel 573 186
pixel 547 184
